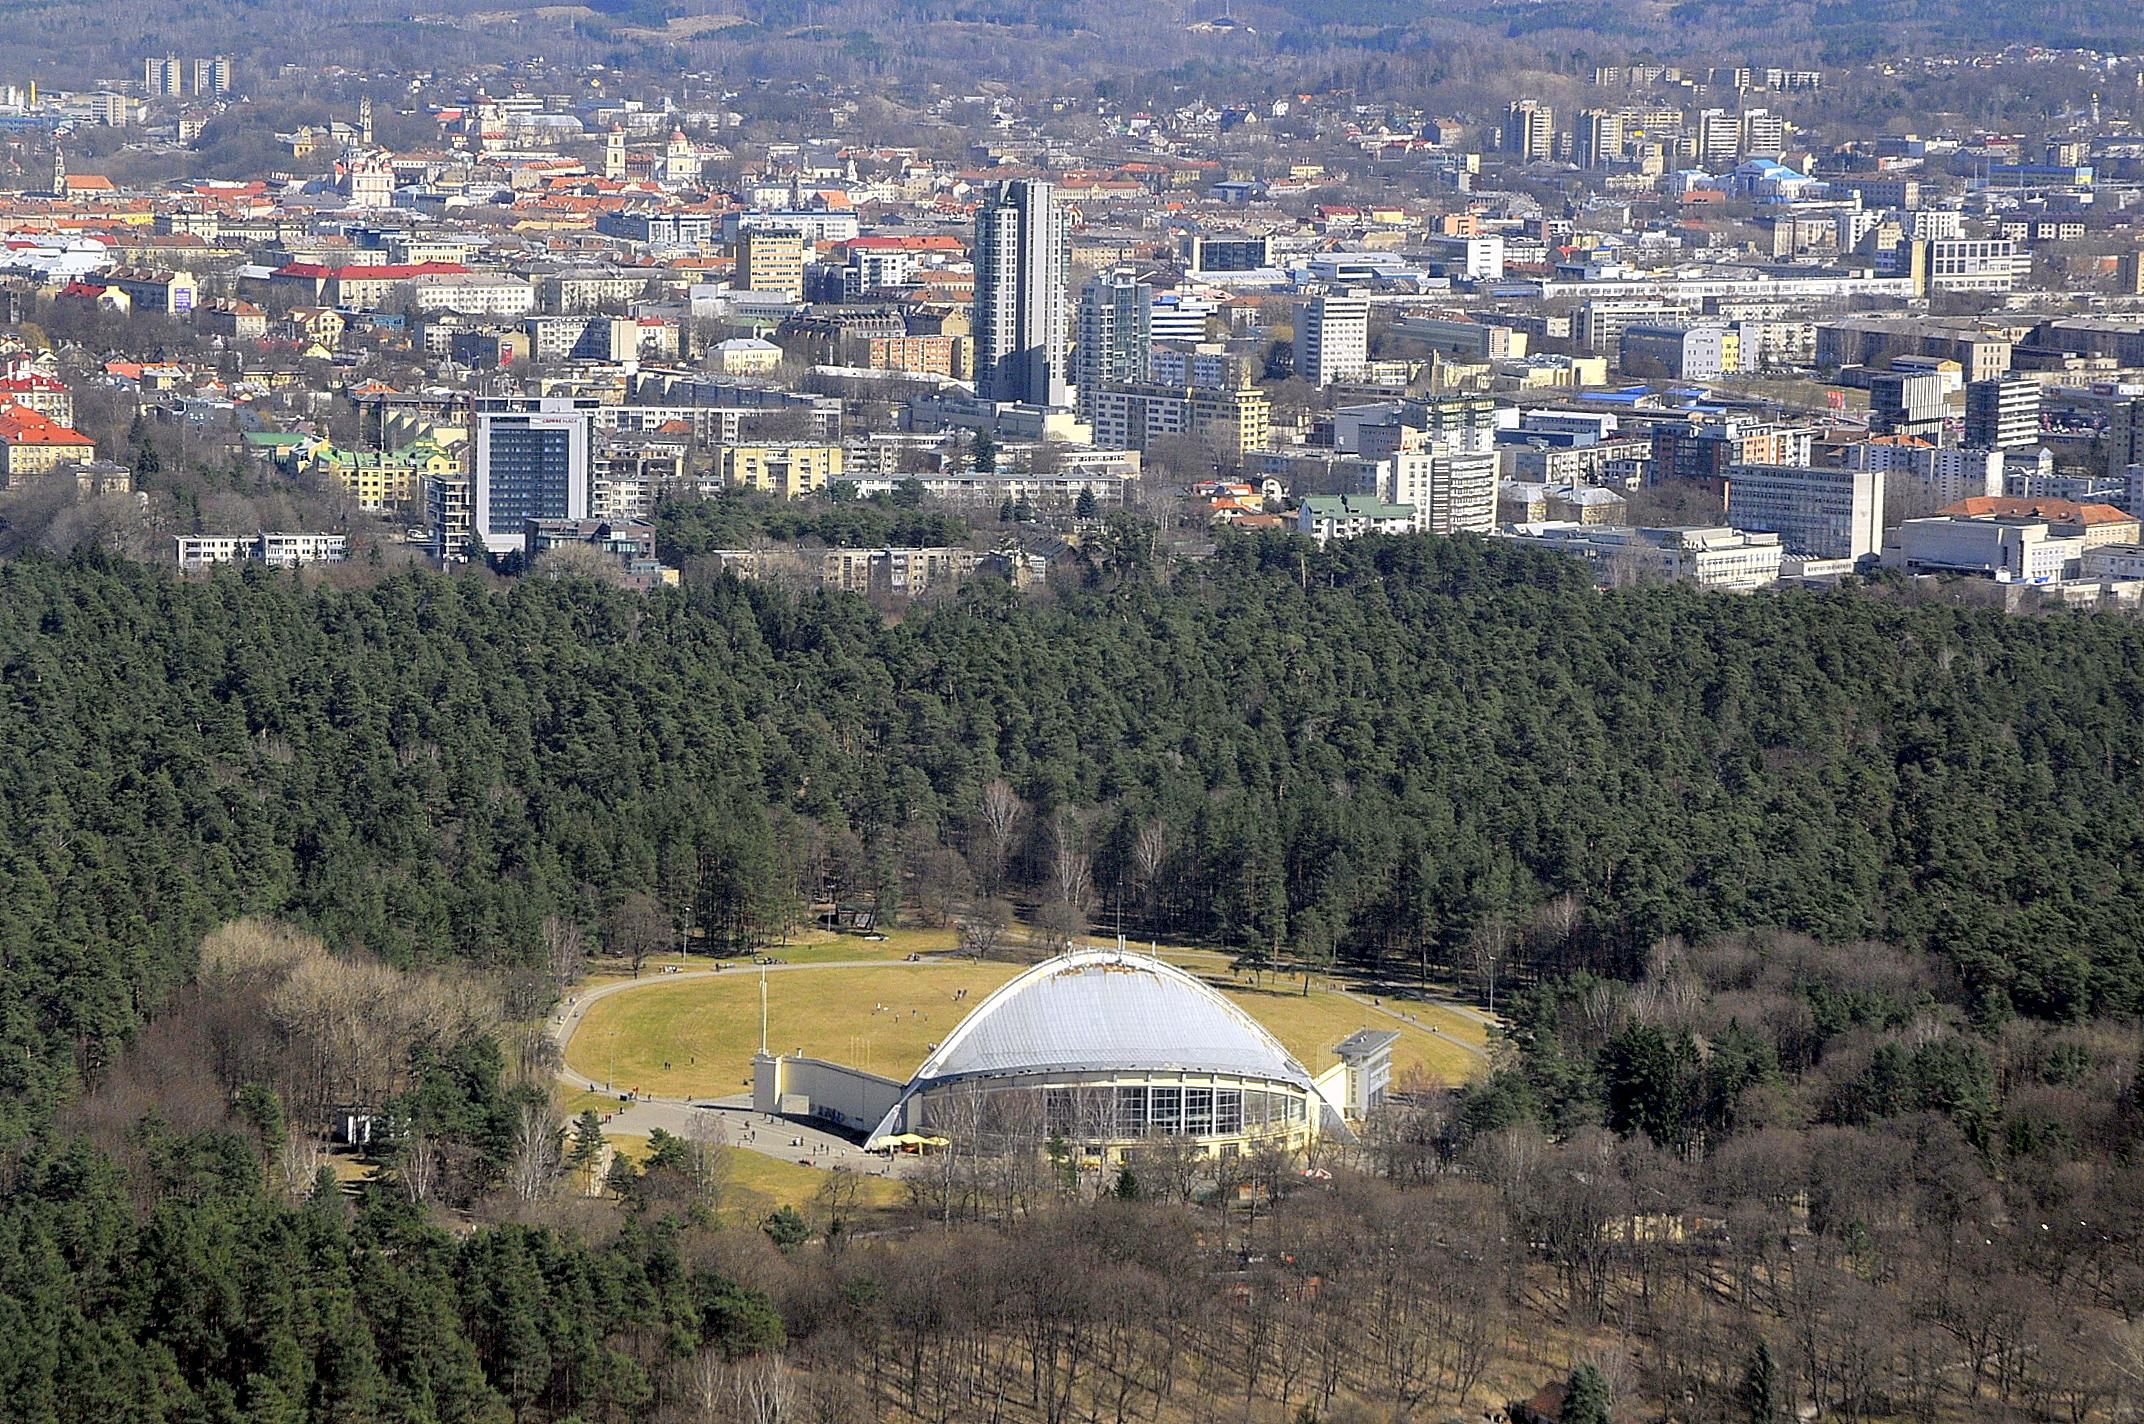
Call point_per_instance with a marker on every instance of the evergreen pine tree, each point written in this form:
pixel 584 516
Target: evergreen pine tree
pixel 587 1140
pixel 1585 1399
pixel 1759 1393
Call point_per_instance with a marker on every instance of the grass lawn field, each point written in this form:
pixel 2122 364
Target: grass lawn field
pixel 810 947
pixel 697 1037
pixel 755 1184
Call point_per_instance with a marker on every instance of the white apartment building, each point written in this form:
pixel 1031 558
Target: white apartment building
pixel 450 515
pixel 1452 491
pixel 1829 513
pixel 1332 338
pixel 1688 353
pixel 287 550
pixel 1478 259
pixel 590 290
pixel 473 294
pixel 1935 476
pixel 1710 557
pixel 1347 516
pixel 2008 551
pixel 280 550
pixel 1179 316
pixel 1969 264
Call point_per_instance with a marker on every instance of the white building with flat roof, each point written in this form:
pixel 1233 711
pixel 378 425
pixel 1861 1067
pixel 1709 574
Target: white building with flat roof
pixel 1733 560
pixel 1830 513
pixel 1332 338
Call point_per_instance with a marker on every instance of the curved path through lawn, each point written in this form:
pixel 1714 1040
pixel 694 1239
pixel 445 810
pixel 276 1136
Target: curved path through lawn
pixel 786 1139
pixel 791 1140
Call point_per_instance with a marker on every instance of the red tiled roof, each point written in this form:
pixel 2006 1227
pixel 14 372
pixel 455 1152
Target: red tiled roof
pixel 2057 511
pixel 389 272
pixel 19 425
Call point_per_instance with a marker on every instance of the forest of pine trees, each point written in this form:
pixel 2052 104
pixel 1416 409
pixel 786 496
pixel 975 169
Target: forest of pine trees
pixel 1768 883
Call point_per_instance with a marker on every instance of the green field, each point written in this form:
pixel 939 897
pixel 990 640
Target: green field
pixel 697 1037
pixel 811 947
pixel 754 1184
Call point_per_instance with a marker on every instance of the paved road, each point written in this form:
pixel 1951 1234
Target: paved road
pixel 789 1139
pixel 1376 1005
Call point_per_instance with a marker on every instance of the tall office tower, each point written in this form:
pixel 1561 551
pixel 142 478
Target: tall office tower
pixel 1180 316
pixel 2002 414
pixel 213 76
pixel 771 260
pixel 1023 279
pixel 1601 133
pixel 532 462
pixel 1825 512
pixel 1906 403
pixel 1453 491
pixel 1764 133
pixel 1719 137
pixel 164 78
pixel 1230 254
pixel 1530 131
pixel 1332 338
pixel 2124 437
pixel 1115 332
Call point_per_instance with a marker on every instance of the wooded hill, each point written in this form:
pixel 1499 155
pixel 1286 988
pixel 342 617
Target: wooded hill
pixel 1388 753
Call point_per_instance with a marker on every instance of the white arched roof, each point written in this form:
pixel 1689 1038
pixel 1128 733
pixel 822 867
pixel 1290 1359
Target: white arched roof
pixel 1103 1011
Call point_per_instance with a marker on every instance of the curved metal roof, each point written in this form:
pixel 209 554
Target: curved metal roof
pixel 1106 1011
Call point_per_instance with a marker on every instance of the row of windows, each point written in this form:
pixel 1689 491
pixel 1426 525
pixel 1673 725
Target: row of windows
pixel 1118 1113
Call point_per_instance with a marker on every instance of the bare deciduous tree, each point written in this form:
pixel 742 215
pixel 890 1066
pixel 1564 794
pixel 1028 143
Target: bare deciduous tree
pixel 1150 855
pixel 983 929
pixel 999 816
pixel 417 1166
pixel 943 881
pixel 708 1137
pixel 1071 874
pixel 565 951
pixel 636 929
pixel 538 1151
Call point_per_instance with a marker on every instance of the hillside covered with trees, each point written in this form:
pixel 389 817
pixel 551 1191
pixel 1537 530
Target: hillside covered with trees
pixel 1386 754
pixel 1815 917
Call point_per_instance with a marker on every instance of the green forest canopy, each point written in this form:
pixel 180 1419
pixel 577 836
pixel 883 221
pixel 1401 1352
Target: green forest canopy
pixel 1372 748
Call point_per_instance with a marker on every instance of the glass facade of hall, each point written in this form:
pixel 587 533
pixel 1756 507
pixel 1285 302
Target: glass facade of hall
pixel 1117 1114
pixel 531 475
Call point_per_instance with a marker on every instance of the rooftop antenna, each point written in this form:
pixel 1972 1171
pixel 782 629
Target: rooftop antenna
pixel 763 1010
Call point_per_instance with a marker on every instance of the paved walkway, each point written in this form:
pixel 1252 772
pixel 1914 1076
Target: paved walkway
pixel 1376 1005
pixel 791 1139
pixel 788 1139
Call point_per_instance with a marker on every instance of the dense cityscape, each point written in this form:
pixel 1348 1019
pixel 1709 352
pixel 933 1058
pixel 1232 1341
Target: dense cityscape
pixel 1028 713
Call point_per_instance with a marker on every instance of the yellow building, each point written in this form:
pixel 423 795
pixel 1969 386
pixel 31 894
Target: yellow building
pixel 771 261
pixel 380 480
pixel 787 471
pixel 1233 422
pixel 34 444
pixel 744 356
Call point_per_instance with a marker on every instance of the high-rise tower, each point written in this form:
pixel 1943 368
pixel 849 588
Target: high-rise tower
pixel 1115 316
pixel 1023 276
